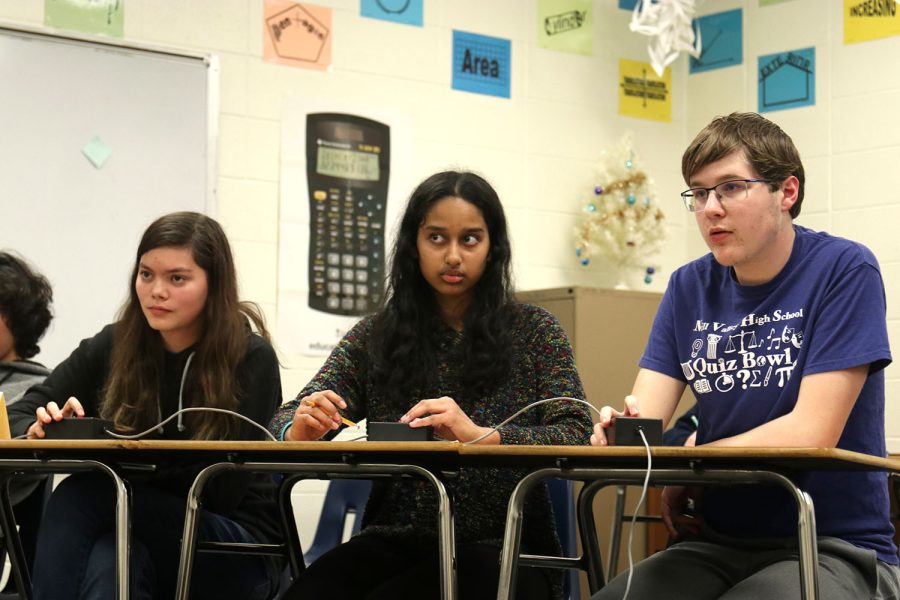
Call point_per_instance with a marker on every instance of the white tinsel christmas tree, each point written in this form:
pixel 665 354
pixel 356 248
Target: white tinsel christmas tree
pixel 622 227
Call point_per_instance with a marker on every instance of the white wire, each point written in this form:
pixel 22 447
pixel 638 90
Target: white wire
pixel 529 407
pixel 637 509
pixel 646 476
pixel 137 436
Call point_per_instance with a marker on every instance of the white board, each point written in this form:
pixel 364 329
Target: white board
pixel 155 110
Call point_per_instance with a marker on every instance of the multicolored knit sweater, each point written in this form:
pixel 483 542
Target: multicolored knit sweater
pixel 542 367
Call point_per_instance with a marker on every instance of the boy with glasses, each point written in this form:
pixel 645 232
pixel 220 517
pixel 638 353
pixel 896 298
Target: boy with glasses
pixel 780 331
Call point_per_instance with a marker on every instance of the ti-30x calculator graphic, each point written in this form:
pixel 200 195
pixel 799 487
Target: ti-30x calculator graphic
pixel 347 164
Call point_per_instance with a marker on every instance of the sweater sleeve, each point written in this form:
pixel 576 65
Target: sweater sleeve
pixel 343 373
pixel 82 375
pixel 547 350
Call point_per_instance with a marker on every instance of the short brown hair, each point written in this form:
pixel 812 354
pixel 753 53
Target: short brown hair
pixel 770 151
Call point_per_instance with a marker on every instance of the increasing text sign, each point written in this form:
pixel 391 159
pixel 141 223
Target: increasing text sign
pixel 870 19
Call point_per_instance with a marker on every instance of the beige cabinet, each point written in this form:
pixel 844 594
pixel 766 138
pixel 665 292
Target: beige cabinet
pixel 607 329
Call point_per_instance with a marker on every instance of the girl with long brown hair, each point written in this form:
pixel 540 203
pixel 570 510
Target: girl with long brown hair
pixel 183 340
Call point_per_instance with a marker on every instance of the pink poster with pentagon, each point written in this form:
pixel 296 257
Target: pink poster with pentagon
pixel 297 34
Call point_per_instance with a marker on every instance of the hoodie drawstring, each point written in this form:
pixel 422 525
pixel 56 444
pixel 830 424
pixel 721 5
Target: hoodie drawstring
pixel 187 365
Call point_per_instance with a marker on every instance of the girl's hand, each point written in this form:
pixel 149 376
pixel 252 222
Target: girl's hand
pixel 608 414
pixel 315 416
pixel 448 420
pixel 52 412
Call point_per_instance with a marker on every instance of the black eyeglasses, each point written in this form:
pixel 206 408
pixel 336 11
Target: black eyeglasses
pixel 695 198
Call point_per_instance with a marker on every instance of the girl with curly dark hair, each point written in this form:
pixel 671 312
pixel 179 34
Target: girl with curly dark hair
pixel 452 350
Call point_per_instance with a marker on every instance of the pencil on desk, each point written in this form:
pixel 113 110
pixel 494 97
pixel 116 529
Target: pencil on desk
pixel 344 420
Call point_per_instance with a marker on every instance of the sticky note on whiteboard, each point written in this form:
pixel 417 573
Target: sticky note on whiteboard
pixel 96 151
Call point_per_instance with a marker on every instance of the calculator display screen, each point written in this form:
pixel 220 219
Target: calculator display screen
pixel 347 164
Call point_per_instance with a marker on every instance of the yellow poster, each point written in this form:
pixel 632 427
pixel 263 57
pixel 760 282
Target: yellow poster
pixel 297 34
pixel 642 93
pixel 866 20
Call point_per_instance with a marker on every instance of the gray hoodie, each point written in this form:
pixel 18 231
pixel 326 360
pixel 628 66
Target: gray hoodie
pixel 19 375
pixel 16 377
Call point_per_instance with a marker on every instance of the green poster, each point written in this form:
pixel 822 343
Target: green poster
pixel 565 25
pixel 89 16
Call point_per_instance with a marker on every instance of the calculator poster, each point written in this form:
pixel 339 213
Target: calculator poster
pixel 344 181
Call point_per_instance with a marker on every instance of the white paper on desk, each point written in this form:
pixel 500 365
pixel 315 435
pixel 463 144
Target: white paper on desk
pixel 352 434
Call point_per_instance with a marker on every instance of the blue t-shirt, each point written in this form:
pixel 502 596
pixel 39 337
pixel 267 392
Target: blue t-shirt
pixel 744 350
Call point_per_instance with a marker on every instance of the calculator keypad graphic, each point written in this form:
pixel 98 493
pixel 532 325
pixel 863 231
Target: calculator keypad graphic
pixel 347 169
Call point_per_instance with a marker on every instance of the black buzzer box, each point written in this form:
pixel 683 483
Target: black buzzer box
pixel 86 428
pixel 380 431
pixel 624 431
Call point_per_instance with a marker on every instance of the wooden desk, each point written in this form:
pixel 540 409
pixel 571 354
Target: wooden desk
pixel 427 460
pixel 671 465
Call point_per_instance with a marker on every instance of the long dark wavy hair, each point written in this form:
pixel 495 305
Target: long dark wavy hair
pixel 405 331
pixel 131 398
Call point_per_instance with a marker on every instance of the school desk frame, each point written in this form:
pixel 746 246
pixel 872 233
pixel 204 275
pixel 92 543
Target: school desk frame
pixel 327 471
pixel 429 461
pixel 433 461
pixel 9 468
pixel 599 467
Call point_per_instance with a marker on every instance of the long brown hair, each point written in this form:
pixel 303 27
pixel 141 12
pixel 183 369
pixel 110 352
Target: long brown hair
pixel 131 398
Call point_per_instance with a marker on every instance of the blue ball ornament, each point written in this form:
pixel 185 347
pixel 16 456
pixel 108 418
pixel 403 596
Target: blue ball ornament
pixel 631 199
pixel 629 163
pixel 585 262
pixel 648 279
pixel 650 270
pixel 592 207
pixel 577 251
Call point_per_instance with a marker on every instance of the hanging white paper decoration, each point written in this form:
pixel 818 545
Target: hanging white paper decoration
pixel 669 23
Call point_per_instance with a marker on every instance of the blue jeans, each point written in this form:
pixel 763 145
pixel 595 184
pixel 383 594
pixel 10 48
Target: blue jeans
pixel 76 557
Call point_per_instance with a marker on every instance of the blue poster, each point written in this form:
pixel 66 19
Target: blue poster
pixel 722 40
pixel 630 4
pixel 787 80
pixel 481 64
pixel 407 12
